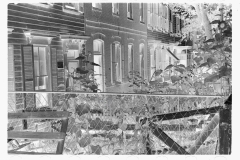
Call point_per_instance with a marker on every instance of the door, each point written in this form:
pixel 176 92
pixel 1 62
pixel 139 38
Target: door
pixel 42 72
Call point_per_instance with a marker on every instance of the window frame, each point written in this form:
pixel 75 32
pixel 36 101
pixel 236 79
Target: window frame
pixel 40 76
pixel 97 6
pixel 114 9
pixel 101 54
pixel 130 12
pixel 142 57
pixel 141 9
pixel 132 59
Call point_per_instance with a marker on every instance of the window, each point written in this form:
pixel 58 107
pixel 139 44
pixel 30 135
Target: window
pixel 116 63
pixel 130 59
pixel 98 59
pixel 75 7
pixel 97 5
pixel 40 68
pixel 141 63
pixel 141 12
pixel 129 11
pixel 115 8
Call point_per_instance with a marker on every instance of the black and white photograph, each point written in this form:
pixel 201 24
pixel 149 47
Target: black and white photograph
pixel 117 78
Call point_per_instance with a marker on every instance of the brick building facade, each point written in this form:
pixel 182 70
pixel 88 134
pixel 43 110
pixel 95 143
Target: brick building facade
pixel 121 29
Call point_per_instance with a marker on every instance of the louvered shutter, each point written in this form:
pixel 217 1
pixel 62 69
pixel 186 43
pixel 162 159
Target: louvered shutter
pixel 28 67
pixel 28 74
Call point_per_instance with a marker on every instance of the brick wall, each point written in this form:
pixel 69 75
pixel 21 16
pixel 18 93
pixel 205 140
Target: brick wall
pixel 102 24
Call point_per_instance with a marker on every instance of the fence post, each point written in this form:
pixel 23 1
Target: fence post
pixel 225 128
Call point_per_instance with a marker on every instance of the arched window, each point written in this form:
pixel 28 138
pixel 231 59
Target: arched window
pixel 142 62
pixel 116 71
pixel 98 52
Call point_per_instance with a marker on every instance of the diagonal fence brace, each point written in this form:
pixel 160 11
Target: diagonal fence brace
pixel 159 133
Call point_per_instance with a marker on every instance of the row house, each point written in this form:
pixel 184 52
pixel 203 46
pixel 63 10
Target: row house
pixel 163 34
pixel 42 41
pixel 118 42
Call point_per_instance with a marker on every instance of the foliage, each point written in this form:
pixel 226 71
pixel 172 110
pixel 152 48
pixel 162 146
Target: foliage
pixel 212 62
pixel 83 76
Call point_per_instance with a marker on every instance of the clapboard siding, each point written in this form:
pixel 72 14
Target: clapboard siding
pixel 48 12
pixel 51 20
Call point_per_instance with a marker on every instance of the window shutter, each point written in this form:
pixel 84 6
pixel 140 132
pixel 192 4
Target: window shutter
pixel 54 69
pixel 28 67
pixel 28 74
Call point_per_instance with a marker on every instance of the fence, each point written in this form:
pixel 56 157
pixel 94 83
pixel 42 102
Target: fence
pixel 120 124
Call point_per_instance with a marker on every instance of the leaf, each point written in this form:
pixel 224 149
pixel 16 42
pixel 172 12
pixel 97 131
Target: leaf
pixel 218 15
pixel 215 22
pixel 80 57
pixel 93 87
pixel 84 141
pixel 227 33
pixel 94 64
pixel 212 78
pixel 131 85
pixel 96 149
pixel 224 71
pixel 175 79
pixel 81 71
pixel 181 70
pixel 227 49
pixel 218 37
pixel 153 82
pixel 82 109
pixel 209 40
pixel 158 72
pixel 210 61
pixel 181 65
pixel 169 67
pixel 204 64
pixel 198 59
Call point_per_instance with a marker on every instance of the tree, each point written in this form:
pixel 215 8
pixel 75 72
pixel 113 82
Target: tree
pixel 212 53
